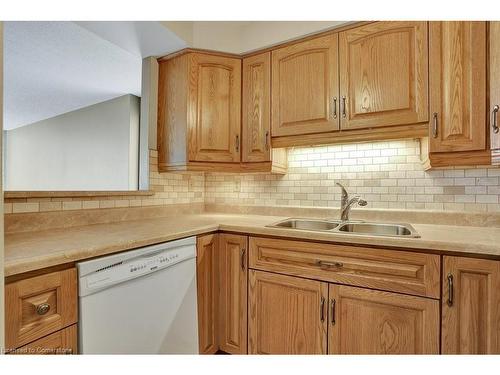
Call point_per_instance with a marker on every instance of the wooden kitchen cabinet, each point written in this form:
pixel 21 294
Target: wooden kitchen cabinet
pixel 64 341
pixel 458 94
pixel 383 75
pixel 365 321
pixel 494 83
pixel 38 306
pixel 287 315
pixel 207 274
pixel 198 110
pixel 256 108
pixel 233 276
pixel 470 306
pixel 305 89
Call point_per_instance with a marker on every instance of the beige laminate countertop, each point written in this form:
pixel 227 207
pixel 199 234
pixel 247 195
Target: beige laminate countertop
pixel 29 251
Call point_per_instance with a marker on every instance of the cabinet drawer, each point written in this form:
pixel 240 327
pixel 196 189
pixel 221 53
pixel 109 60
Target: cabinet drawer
pixel 38 306
pixel 60 342
pixel 391 270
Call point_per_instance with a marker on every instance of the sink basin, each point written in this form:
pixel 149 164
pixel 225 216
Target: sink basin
pixel 379 229
pixel 307 224
pixel 352 227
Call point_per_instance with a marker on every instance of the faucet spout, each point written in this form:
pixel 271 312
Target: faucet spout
pixel 346 203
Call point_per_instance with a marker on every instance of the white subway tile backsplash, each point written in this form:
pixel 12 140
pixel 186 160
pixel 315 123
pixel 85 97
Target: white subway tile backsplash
pixel 387 174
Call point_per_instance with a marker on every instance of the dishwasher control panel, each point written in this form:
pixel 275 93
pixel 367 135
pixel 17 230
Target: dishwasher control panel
pixel 133 268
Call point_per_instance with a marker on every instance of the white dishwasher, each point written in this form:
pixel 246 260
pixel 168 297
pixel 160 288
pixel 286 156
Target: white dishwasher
pixel 140 302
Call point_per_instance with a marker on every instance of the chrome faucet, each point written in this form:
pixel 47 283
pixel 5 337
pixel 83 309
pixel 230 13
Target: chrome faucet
pixel 346 203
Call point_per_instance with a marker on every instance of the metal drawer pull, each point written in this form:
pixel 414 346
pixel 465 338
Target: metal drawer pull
pixel 335 107
pixel 435 125
pixel 322 309
pixel 42 309
pixel 237 143
pixel 322 263
pixel 243 259
pixel 267 140
pixel 333 303
pixel 450 289
pixel 344 113
pixel 494 118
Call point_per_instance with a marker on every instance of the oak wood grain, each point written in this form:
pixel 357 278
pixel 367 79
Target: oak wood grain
pixel 23 323
pixel 374 322
pixel 384 74
pixel 458 86
pixel 286 314
pixel 471 324
pixel 207 277
pixel 64 341
pixel 256 112
pixel 304 86
pixel 405 272
pixel 494 82
pixel 233 274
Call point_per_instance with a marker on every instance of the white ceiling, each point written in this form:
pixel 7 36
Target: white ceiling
pixel 51 68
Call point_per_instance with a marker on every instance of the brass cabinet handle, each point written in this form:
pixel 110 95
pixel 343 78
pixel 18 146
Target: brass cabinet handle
pixel 450 289
pixel 243 259
pixel 494 118
pixel 267 140
pixel 334 107
pixel 435 125
pixel 322 263
pixel 333 303
pixel 344 110
pixel 42 308
pixel 237 143
pixel 322 309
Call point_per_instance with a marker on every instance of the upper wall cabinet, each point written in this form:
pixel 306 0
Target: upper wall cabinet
pixel 305 87
pixel 495 90
pixel 383 75
pixel 214 108
pixel 199 115
pixel 256 113
pixel 458 96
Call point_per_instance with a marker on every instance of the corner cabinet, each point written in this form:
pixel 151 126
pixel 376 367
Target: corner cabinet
pixel 458 94
pixel 471 306
pixel 383 75
pixel 199 115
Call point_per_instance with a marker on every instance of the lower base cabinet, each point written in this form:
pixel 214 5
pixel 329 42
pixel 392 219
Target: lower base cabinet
pixel 60 342
pixel 470 306
pixel 287 315
pixel 365 321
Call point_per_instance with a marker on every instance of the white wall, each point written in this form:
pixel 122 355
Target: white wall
pixel 244 36
pixel 2 316
pixel 93 148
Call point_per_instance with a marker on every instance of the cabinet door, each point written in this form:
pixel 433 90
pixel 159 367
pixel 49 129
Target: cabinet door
pixel 457 86
pixel 305 87
pixel 471 306
pixel 60 342
pixel 214 108
pixel 383 75
pixel 256 112
pixel 365 321
pixel 494 82
pixel 287 314
pixel 208 287
pixel 233 293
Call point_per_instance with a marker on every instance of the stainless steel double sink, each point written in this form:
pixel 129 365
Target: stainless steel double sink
pixel 352 227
